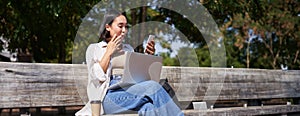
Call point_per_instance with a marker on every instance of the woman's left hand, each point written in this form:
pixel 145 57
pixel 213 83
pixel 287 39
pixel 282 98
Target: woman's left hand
pixel 150 48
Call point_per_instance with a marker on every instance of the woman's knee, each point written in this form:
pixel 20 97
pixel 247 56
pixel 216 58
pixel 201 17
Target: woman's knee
pixel 152 83
pixel 152 87
pixel 145 88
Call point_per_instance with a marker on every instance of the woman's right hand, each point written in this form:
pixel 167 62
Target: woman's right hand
pixel 114 44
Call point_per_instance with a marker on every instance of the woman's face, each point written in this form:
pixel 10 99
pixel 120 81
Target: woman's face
pixel 118 27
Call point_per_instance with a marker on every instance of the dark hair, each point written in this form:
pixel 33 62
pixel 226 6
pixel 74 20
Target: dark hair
pixel 109 18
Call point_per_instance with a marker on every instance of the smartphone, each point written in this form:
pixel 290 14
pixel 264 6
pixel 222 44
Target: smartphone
pixel 150 38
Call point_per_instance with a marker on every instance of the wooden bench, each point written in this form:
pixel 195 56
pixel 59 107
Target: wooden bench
pixel 38 85
pixel 264 91
pixel 34 85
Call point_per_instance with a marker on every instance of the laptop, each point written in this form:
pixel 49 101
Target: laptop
pixel 138 67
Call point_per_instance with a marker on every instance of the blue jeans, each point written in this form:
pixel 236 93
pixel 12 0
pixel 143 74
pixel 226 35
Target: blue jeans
pixel 147 98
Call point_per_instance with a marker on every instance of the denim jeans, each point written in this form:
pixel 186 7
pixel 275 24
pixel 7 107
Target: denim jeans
pixel 148 98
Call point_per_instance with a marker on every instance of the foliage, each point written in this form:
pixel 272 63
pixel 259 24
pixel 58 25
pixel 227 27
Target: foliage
pixel 46 28
pixel 257 33
pixel 266 32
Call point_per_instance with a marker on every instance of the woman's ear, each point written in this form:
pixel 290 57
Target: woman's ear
pixel 107 27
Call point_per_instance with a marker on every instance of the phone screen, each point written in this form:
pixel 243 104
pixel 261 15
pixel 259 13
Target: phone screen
pixel 150 38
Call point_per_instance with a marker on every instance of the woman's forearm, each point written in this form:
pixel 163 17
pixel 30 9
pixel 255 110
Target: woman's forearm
pixel 104 62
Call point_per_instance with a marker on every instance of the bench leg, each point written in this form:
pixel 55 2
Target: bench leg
pixel 255 102
pixel 10 111
pixel 24 111
pixel 61 110
pixel 296 101
pixel 38 111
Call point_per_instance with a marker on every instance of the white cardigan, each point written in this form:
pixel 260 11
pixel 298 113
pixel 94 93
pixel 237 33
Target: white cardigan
pixel 98 81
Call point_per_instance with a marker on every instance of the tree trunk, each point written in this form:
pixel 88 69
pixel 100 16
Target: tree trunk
pixel 277 54
pixel 296 56
pixel 142 28
pixel 62 52
pixel 248 54
pixel 133 23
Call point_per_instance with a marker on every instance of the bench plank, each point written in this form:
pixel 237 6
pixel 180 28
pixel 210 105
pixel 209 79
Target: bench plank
pixel 42 85
pixel 38 85
pixel 249 111
pixel 192 84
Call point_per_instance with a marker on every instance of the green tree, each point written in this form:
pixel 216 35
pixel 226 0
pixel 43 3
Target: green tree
pixel 275 24
pixel 257 33
pixel 46 28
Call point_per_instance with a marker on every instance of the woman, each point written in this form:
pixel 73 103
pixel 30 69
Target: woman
pixel 147 98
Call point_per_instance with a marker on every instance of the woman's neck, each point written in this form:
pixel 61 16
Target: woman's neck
pixel 107 40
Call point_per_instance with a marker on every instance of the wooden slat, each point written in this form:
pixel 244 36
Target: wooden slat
pixel 191 84
pixel 197 92
pixel 241 111
pixel 37 85
pixel 42 84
